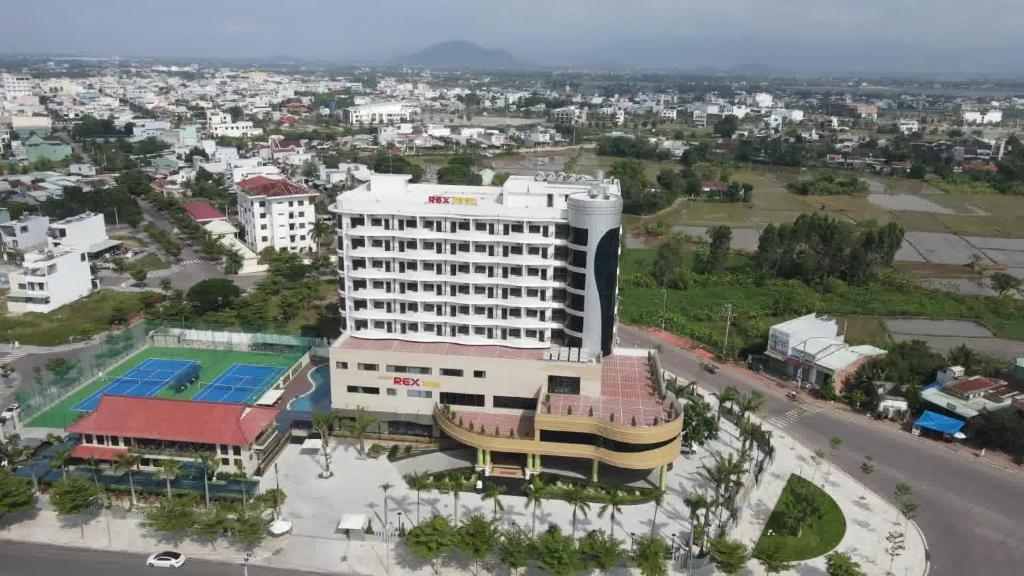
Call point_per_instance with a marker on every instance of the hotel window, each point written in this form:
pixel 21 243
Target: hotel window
pixel 479 374
pixel 368 367
pixel 419 393
pixel 563 384
pixel 514 402
pixel 115 441
pixel 481 227
pixel 392 392
pixel 363 390
pixel 408 369
pixel 451 372
pixel 88 439
pixel 341 365
pixel 236 450
pixel 457 399
pixel 225 461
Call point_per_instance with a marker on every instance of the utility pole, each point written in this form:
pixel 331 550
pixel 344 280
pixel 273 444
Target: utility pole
pixel 728 322
pixel 664 299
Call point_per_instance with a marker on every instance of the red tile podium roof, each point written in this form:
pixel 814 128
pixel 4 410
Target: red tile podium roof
pixel 105 453
pixel 263 186
pixel 202 211
pixel 176 420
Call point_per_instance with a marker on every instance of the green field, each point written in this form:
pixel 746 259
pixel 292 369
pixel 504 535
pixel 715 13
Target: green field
pixel 214 362
pixel 818 535
pixel 80 319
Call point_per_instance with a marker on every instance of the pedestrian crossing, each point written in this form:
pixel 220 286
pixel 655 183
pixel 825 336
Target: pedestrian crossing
pixel 193 261
pixel 8 357
pixel 793 416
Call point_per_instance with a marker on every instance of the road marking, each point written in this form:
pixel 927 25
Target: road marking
pixel 8 357
pixel 793 416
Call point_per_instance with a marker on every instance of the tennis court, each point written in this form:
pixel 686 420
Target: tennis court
pixel 145 380
pixel 241 383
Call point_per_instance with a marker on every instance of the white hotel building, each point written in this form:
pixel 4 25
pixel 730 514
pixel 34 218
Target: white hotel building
pixel 276 213
pixel 486 316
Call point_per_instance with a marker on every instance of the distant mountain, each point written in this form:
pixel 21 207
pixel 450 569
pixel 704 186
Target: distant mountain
pixel 460 54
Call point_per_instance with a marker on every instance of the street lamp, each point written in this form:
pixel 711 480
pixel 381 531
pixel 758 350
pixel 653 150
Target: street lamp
pixel 400 527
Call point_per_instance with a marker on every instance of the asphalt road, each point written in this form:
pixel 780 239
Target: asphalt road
pixel 34 560
pixel 972 513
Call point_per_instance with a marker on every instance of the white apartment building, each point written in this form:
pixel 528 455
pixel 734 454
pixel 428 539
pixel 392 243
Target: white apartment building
pixel 569 115
pixel 989 117
pixel 240 129
pixel 86 232
pixel 526 265
pixel 49 279
pixel 377 113
pixel 25 233
pixel 144 128
pixel 276 213
pixel 15 86
pixel 907 126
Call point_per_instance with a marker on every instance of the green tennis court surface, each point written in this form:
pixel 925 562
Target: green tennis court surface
pixel 214 363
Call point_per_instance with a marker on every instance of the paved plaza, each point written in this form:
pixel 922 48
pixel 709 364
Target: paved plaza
pixel 316 505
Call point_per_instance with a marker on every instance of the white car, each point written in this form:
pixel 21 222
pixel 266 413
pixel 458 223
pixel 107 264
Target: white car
pixel 167 559
pixel 10 411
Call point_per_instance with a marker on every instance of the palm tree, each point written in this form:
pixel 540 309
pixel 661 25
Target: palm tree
pixel 208 462
pixel 727 396
pixel 658 499
pixel 385 487
pixel 494 492
pixel 749 404
pixel 60 460
pixel 696 503
pixel 321 229
pixel 322 423
pixel 233 261
pixel 126 462
pixel 359 425
pixel 534 496
pixel 577 498
pixel 94 466
pixel 449 486
pixel 747 430
pixel 720 475
pixel 419 481
pixel 616 499
pixel 168 471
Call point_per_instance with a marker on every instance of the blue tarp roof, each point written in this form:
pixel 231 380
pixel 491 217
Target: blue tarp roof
pixel 938 422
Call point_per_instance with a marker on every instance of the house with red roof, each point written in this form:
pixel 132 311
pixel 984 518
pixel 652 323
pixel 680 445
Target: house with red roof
pixel 202 211
pixel 241 437
pixel 276 213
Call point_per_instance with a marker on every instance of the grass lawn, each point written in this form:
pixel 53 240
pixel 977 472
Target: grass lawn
pixel 149 262
pixel 214 362
pixel 865 329
pixel 818 536
pixel 82 318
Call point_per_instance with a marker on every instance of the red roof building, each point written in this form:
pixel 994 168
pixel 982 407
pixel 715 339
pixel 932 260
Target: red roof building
pixel 271 187
pixel 157 428
pixel 202 211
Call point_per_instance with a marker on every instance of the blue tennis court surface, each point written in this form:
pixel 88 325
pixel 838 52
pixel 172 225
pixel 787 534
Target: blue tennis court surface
pixel 242 383
pixel 144 380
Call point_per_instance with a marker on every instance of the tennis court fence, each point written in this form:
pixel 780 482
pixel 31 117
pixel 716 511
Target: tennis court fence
pixel 63 376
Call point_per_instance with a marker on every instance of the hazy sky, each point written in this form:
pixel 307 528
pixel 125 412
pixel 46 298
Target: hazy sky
pixel 663 32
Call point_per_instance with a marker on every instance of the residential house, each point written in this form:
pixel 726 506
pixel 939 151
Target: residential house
pixel 49 279
pixel 811 350
pixel 276 213
pixel 956 394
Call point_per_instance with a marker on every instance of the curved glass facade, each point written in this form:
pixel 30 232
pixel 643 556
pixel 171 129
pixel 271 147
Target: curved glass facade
pixel 606 271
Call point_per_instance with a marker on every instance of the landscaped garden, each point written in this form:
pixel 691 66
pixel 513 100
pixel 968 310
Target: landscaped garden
pixel 806 523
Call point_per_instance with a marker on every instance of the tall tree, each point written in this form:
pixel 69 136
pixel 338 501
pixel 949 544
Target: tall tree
pixel 534 492
pixel 494 492
pixel 15 493
pixel 168 471
pixel 615 499
pixel 650 554
pixel 127 463
pixel 841 564
pixel 431 541
pixel 60 461
pixel 514 549
pixel 557 553
pixel 476 539
pixel 729 556
pixel 209 462
pixel 418 482
pixel 323 423
pixel 577 498
pixel 73 495
pixel 358 426
pixel 600 551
